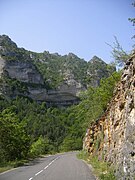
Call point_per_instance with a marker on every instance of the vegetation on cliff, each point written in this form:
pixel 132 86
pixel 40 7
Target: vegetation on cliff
pixel 57 69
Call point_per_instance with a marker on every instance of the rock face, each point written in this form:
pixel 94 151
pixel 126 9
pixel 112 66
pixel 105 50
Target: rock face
pixel 112 137
pixel 98 69
pixel 27 74
pixel 2 64
pixel 47 77
pixel 23 71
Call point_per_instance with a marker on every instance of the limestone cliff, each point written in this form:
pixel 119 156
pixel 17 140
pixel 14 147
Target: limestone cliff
pixel 47 77
pixel 31 84
pixel 22 71
pixel 112 137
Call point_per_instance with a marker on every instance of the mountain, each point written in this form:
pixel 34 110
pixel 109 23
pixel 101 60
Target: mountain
pixel 32 85
pixel 98 69
pixel 111 138
pixel 47 77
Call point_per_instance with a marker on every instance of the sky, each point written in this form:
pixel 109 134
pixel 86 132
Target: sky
pixel 82 27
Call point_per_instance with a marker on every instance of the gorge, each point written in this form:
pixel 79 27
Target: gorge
pixel 47 101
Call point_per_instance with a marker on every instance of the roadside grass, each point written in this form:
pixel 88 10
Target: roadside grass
pixel 5 166
pixel 102 170
pixel 11 164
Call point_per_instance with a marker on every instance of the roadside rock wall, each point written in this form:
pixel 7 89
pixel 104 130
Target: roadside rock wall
pixel 112 137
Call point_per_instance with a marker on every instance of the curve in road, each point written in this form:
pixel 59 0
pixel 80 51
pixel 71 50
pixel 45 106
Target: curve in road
pixel 56 167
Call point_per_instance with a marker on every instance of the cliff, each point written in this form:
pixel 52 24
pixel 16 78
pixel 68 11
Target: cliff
pixel 47 77
pixel 112 137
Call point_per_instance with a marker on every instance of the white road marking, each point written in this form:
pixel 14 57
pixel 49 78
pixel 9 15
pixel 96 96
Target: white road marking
pixel 45 167
pixel 38 172
pixel 50 163
pixel 31 178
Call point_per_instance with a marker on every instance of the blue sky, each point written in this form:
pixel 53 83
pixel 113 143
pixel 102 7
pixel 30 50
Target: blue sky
pixel 79 26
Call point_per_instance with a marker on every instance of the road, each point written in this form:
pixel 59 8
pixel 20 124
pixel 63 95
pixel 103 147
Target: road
pixel 56 167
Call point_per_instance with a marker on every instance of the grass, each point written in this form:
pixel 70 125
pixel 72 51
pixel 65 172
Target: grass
pixel 101 169
pixel 83 155
pixel 11 164
pixel 3 169
pixel 5 166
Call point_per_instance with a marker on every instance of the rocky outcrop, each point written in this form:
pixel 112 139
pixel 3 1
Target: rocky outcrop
pixel 27 74
pixel 47 77
pixel 22 71
pixel 112 137
pixel 2 64
pixel 98 69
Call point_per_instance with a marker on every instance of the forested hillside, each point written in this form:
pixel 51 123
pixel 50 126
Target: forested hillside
pixel 28 126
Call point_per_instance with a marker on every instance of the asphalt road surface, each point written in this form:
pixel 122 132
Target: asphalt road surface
pixel 56 167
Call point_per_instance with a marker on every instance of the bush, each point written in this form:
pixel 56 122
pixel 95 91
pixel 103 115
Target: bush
pixel 71 143
pixel 41 146
pixel 102 169
pixel 83 155
pixel 14 141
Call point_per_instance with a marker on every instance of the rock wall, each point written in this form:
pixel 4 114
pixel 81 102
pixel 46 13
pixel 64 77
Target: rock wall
pixel 31 74
pixel 2 64
pixel 112 137
pixel 26 72
pixel 23 71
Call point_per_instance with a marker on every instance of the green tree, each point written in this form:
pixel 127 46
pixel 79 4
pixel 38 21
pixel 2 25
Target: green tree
pixel 118 53
pixel 14 141
pixel 132 19
pixel 40 146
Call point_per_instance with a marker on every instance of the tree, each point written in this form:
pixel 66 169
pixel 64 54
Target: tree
pixel 119 54
pixel 14 141
pixel 41 146
pixel 132 19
